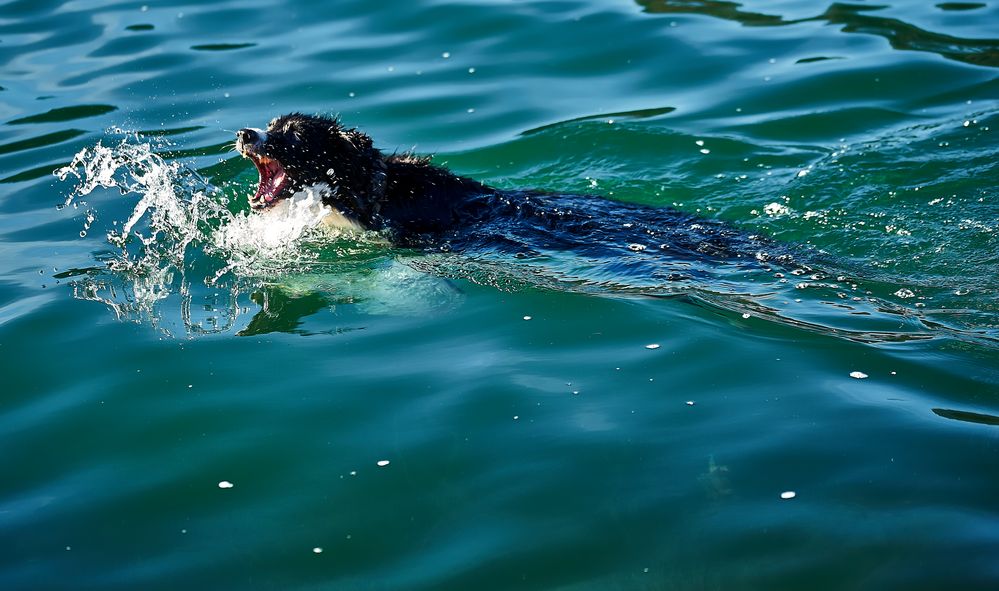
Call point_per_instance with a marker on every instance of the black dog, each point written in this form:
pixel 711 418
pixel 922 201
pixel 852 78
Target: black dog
pixel 427 206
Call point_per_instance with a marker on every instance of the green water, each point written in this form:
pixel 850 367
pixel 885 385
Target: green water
pixel 558 452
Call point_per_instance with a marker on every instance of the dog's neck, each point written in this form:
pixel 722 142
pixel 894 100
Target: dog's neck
pixel 402 192
pixel 360 208
pixel 379 176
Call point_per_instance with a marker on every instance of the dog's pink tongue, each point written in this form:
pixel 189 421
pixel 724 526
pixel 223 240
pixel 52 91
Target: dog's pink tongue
pixel 275 182
pixel 272 177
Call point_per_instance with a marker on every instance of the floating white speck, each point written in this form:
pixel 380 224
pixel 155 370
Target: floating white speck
pixel 705 151
pixel 471 70
pixel 636 247
pixel 858 375
pixel 383 463
pixel 225 484
pixel 690 403
pixel 471 110
pixel 515 417
pixel 652 346
pixel 776 209
pixel 802 172
pixel 527 318
pixel 446 54
pixel 317 550
pixel 699 142
pixel 788 494
pixel 745 316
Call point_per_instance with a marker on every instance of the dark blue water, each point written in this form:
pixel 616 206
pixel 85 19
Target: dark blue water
pixel 198 396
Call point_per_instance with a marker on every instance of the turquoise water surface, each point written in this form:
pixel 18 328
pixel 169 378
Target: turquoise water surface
pixel 196 397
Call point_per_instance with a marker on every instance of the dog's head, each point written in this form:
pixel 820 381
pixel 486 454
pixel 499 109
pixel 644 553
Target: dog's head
pixel 298 151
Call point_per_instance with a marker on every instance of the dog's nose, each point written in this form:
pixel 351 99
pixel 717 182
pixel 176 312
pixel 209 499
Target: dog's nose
pixel 248 136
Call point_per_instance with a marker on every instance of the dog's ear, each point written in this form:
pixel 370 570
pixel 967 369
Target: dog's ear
pixel 358 139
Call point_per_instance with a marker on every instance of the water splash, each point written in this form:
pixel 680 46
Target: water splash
pixel 185 259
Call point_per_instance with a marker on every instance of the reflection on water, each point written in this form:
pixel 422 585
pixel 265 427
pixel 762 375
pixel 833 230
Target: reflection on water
pixel 855 18
pixel 968 417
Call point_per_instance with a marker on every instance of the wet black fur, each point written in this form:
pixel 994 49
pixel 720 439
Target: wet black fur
pixel 426 205
pixel 416 197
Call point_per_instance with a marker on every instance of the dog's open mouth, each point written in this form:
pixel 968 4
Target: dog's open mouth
pixel 274 181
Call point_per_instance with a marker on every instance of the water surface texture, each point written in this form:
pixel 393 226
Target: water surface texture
pixel 199 397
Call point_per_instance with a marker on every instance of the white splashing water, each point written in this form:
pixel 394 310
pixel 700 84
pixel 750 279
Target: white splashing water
pixel 181 239
pixel 178 209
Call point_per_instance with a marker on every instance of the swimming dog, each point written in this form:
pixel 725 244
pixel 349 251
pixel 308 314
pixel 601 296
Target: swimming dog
pixel 423 205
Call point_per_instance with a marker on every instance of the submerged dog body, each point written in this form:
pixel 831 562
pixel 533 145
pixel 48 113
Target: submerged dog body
pixel 425 205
